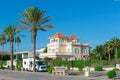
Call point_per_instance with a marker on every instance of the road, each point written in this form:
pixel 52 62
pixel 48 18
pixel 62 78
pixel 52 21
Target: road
pixel 73 75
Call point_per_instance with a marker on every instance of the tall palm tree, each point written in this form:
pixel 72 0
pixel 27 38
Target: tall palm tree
pixel 115 44
pixel 35 20
pixel 10 31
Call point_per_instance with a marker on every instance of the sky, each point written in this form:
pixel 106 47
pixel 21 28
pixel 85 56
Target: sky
pixel 92 21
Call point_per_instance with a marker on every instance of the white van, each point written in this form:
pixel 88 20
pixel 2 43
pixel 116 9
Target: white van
pixel 28 65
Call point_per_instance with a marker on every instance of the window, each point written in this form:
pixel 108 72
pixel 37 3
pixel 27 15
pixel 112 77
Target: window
pixel 76 59
pixel 76 51
pixel 31 63
pixel 66 59
pixel 54 40
pixel 61 41
pixel 84 50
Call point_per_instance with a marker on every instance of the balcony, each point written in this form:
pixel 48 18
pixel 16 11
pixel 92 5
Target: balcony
pixel 54 55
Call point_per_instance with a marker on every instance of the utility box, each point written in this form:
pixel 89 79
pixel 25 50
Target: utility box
pixel 87 71
pixel 118 66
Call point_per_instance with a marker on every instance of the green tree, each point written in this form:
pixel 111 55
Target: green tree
pixel 45 50
pixel 35 20
pixel 108 49
pixel 2 41
pixel 97 52
pixel 10 32
pixel 115 44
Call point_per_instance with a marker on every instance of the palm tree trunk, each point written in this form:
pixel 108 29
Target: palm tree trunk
pixel 11 51
pixel 116 53
pixel 3 47
pixel 16 55
pixel 17 47
pixel 109 56
pixel 34 47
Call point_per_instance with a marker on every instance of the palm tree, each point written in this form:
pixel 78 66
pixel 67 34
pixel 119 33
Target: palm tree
pixel 115 44
pixel 10 31
pixel 108 49
pixel 2 40
pixel 34 19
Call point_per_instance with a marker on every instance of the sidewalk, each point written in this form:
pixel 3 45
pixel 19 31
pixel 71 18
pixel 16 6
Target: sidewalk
pixel 79 75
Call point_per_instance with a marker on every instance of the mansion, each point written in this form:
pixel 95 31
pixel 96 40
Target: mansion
pixel 66 48
pixel 62 47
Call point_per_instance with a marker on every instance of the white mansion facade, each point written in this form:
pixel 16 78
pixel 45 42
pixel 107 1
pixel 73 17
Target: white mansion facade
pixel 66 48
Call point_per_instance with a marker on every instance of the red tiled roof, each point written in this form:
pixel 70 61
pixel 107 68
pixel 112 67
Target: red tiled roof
pixel 72 37
pixel 60 35
pixel 57 35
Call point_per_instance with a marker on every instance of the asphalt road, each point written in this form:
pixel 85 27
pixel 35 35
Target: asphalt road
pixel 73 75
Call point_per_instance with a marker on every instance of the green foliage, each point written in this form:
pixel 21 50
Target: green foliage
pixel 80 63
pixel 45 50
pixel 111 74
pixel 19 65
pixel 46 60
pixel 75 63
pixel 116 69
pixel 118 52
pixel 19 56
pixel 98 68
pixel 4 57
pixel 1 65
pixel 49 69
pixel 108 51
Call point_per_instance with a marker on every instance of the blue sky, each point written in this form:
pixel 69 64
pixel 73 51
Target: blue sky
pixel 93 21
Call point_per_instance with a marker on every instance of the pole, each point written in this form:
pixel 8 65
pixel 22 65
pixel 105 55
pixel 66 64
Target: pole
pixel 16 55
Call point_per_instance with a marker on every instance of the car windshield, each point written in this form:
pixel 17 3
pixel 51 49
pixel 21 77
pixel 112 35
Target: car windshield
pixel 40 63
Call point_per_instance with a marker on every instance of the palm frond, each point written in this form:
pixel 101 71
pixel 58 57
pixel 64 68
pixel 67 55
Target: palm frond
pixel 45 27
pixel 45 20
pixel 24 22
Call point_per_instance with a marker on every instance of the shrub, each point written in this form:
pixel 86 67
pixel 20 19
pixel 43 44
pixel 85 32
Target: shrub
pixel 116 69
pixel 98 68
pixel 19 65
pixel 49 69
pixel 111 74
pixel 1 65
